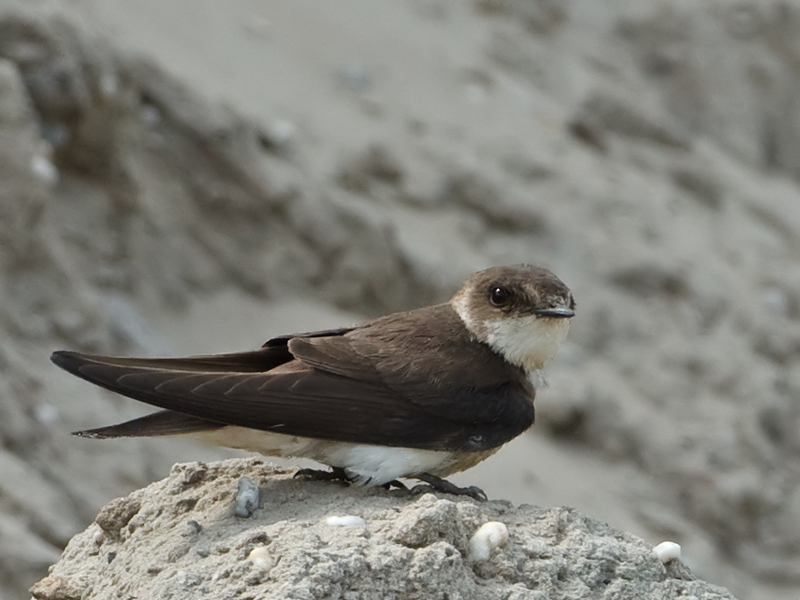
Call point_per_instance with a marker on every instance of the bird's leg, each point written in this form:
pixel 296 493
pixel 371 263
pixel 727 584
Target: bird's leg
pixel 335 474
pixel 442 485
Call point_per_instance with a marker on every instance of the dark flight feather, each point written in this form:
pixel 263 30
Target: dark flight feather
pixel 163 422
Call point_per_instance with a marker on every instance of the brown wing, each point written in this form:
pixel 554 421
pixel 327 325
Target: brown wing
pixel 368 387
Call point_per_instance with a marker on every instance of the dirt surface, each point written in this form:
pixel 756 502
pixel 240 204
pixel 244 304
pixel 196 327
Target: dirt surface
pixel 196 178
pixel 180 538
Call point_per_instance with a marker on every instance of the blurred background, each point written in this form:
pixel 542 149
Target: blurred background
pixel 197 176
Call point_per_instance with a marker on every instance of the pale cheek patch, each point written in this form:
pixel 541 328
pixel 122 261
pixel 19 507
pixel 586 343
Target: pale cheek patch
pixel 668 551
pixel 527 342
pixel 460 304
pixel 489 537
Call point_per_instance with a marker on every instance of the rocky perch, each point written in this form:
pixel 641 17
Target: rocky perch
pixel 182 538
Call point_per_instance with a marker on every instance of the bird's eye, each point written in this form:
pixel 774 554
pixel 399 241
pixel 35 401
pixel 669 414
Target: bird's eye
pixel 499 296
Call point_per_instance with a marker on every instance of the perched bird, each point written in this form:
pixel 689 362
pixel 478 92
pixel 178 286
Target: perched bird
pixel 420 394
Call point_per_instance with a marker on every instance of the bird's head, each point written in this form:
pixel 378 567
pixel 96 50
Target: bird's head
pixel 523 312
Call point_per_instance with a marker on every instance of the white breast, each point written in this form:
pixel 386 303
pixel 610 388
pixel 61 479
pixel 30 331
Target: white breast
pixel 376 465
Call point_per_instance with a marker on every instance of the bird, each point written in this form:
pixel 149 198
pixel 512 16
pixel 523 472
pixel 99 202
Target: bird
pixel 420 394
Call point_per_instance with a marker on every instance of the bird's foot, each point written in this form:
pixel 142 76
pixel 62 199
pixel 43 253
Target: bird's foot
pixel 339 474
pixel 335 474
pixel 394 483
pixel 438 484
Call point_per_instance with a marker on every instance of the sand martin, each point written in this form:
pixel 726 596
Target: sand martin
pixel 419 394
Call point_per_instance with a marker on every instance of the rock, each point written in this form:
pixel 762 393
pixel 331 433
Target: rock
pixel 407 547
pixel 247 496
pixel 117 514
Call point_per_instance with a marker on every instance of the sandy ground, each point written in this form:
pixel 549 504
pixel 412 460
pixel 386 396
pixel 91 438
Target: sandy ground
pixel 647 153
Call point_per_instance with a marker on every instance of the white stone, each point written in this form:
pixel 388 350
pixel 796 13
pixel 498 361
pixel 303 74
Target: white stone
pixel 487 538
pixel 668 551
pixel 345 521
pixel 261 558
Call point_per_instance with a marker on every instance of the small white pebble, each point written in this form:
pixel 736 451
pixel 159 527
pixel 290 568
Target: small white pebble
pixel 345 521
pixel 260 558
pixel 668 551
pixel 489 536
pixel 44 169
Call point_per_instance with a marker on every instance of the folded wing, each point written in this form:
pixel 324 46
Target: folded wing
pixel 330 387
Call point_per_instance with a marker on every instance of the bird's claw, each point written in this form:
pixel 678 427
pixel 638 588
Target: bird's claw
pixel 437 484
pixel 477 493
pixel 335 474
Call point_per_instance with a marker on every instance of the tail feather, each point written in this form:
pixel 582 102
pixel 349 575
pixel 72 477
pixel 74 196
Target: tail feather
pixel 164 422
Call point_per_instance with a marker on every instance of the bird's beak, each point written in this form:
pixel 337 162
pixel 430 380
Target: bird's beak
pixel 558 312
